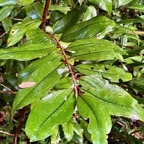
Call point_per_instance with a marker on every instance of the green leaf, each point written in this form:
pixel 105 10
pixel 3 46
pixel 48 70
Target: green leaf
pixel 43 72
pixel 35 10
pixel 54 109
pixel 90 13
pixel 24 2
pixel 71 18
pixel 119 3
pixel 63 9
pixel 7 24
pixel 27 51
pixel 116 100
pixel 68 129
pixel 77 128
pixel 19 29
pixel 138 84
pixel 103 4
pixel 99 118
pixel 87 28
pixel 114 74
pixel 54 136
pixel 5 11
pixel 7 2
pixel 137 7
pixel 93 49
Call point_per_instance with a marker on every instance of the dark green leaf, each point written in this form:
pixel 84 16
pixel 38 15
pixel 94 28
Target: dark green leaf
pixel 99 118
pixel 116 100
pixel 87 28
pixel 44 73
pixel 27 51
pixel 54 109
pixel 34 10
pixel 114 74
pixel 93 49
pixel 71 18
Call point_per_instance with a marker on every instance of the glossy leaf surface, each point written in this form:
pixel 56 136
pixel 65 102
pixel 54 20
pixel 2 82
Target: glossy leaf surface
pixel 116 100
pixel 68 129
pixel 87 28
pixel 112 73
pixel 68 20
pixel 24 2
pixel 103 4
pixel 7 2
pixel 99 118
pixel 44 72
pixel 5 11
pixel 18 30
pixel 27 51
pixel 93 49
pixel 56 108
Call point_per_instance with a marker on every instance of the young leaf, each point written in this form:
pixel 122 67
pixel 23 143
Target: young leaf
pixel 27 51
pixel 7 2
pixel 114 74
pixel 93 49
pixel 24 2
pixel 44 73
pixel 18 30
pixel 116 100
pixel 87 28
pixel 54 109
pixel 68 129
pixel 103 4
pixel 5 11
pixel 99 118
pixel 71 18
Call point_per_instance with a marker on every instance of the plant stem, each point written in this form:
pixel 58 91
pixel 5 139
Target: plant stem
pixel 68 64
pixel 20 126
pixel 6 133
pixel 45 13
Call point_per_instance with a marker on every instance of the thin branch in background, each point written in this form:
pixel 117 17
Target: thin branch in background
pixel 3 34
pixel 7 92
pixel 6 133
pixel 20 126
pixel 45 13
pixel 16 19
pixel 137 32
pixel 76 89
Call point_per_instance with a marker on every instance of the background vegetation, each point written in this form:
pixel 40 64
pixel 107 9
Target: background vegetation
pixel 71 71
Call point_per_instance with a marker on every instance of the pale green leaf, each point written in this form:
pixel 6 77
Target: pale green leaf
pixel 44 72
pixel 137 7
pixel 5 11
pixel 103 4
pixel 54 109
pixel 114 74
pixel 87 28
pixel 27 51
pixel 63 9
pixel 7 2
pixel 93 49
pixel 19 29
pixel 99 119
pixel 68 129
pixel 24 2
pixel 119 3
pixel 90 13
pixel 55 135
pixel 117 101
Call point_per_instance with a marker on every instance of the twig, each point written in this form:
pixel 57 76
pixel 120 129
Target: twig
pixel 6 133
pixel 3 34
pixel 45 13
pixel 20 126
pixel 137 32
pixel 7 92
pixel 68 64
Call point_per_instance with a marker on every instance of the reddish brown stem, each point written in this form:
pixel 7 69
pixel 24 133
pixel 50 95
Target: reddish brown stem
pixel 68 64
pixel 20 126
pixel 45 13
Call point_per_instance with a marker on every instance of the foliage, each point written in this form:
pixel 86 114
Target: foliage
pixel 72 71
